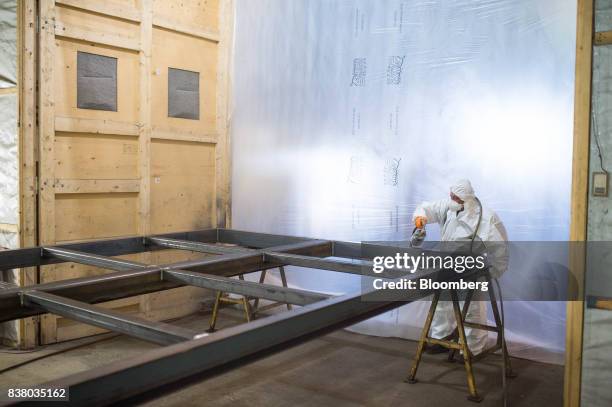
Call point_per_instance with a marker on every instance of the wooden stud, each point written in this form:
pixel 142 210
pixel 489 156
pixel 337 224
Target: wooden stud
pixel 96 126
pixel 223 151
pixel 68 31
pixel 95 186
pixel 144 141
pixel 106 8
pixel 9 228
pixel 168 24
pixel 183 136
pixel 46 108
pixel 580 187
pixel 603 38
pixel 28 234
pixel 605 304
pixel 8 91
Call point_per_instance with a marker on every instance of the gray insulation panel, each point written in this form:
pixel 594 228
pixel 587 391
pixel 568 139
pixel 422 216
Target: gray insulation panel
pixel 183 94
pixel 96 82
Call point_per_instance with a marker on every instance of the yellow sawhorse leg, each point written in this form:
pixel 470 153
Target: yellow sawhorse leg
pixel 460 345
pixel 219 298
pixel 245 301
pixel 458 340
pixel 424 339
pixel 467 355
pixel 262 278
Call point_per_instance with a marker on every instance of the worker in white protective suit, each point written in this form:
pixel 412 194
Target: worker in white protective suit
pixel 458 218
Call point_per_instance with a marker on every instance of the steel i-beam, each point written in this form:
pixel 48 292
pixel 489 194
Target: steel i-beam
pixel 156 332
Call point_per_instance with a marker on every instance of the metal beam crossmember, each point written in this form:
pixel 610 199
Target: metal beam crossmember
pixel 156 332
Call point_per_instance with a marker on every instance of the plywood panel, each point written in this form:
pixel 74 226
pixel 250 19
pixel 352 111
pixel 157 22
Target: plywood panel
pixel 65 73
pixel 95 216
pixel 79 23
pixel 175 50
pixel 183 182
pixel 196 13
pixel 133 171
pixel 89 156
pixel 126 9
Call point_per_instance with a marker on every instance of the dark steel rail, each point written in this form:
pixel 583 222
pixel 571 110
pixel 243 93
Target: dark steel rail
pixel 233 253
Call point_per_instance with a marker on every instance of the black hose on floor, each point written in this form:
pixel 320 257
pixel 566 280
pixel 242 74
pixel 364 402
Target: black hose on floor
pixel 80 345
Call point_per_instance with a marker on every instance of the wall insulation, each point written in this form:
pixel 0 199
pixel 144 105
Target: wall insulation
pixel 349 113
pixel 597 346
pixel 9 145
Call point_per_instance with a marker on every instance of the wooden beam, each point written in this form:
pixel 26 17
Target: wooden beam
pixel 9 227
pixel 28 153
pixel 96 126
pixel 144 136
pixel 580 188
pixel 113 40
pixel 8 91
pixel 182 136
pixel 603 38
pixel 106 8
pixel 96 186
pixel 47 121
pixel 46 109
pixel 168 24
pixel 605 304
pixel 223 149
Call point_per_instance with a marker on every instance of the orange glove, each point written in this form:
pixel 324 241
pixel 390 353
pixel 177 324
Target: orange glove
pixel 420 222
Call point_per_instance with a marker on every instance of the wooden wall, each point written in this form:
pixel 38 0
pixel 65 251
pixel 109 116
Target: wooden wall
pixel 133 171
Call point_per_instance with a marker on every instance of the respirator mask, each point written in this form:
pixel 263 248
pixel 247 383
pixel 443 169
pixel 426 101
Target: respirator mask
pixel 455 206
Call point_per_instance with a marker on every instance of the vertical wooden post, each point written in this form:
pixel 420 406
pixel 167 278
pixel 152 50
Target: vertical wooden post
pixel 144 135
pixel 222 217
pixel 580 188
pixel 144 156
pixel 46 123
pixel 28 234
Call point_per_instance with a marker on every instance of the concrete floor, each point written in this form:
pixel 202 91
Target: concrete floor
pixel 341 369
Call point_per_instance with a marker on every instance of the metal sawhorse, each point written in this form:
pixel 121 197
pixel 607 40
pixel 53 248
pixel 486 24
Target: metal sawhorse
pixel 249 311
pixel 458 338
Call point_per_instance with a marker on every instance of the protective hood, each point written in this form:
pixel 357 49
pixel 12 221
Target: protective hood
pixel 463 189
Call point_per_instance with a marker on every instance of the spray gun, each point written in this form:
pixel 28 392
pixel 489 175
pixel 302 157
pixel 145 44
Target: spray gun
pixel 418 233
pixel 418 236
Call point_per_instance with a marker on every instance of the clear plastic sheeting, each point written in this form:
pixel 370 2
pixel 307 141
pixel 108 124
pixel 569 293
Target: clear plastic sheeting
pixel 349 113
pixel 8 43
pixel 9 175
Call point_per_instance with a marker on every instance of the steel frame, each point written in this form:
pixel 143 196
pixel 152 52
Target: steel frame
pixel 189 352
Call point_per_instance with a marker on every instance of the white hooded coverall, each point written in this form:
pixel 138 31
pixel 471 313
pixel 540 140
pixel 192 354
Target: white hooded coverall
pixel 457 226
